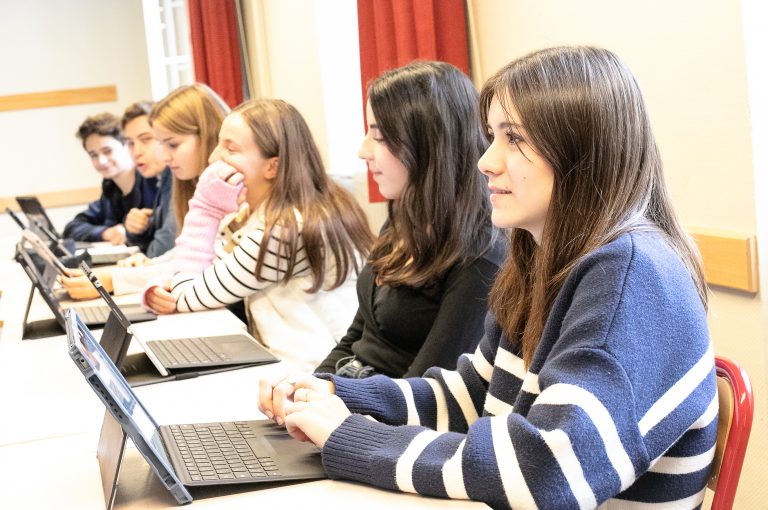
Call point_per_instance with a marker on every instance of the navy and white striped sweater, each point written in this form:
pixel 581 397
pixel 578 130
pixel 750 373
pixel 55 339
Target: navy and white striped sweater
pixel 618 408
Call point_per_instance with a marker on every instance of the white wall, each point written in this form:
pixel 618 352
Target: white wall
pixel 51 45
pixel 314 63
pixel 689 59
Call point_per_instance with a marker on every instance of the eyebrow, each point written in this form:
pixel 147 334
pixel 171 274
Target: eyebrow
pixel 373 126
pixel 506 125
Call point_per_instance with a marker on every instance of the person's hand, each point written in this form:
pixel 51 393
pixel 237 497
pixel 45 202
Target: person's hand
pixel 137 220
pixel 160 300
pixel 80 287
pixel 273 395
pixel 313 416
pixel 231 176
pixel 135 260
pixel 114 235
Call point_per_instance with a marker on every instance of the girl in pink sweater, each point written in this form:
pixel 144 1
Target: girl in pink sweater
pixel 267 225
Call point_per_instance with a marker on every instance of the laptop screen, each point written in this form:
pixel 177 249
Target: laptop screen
pixel 116 385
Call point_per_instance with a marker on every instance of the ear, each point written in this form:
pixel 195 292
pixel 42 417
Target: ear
pixel 271 171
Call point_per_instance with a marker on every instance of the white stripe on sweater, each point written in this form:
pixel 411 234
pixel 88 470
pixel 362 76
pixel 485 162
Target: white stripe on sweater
pixel 508 362
pixel 568 394
pixel 453 476
pixel 560 444
pixel 679 391
pixel 531 383
pixel 515 489
pixel 709 414
pixel 441 420
pixel 404 467
pixel 456 386
pixel 683 465
pixel 680 504
pixel 410 403
pixel 496 407
pixel 482 366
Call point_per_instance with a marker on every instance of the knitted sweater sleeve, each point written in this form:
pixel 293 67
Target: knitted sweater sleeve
pixel 575 434
pixel 213 199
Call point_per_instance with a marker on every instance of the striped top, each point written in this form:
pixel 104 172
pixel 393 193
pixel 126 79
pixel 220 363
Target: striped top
pixel 217 266
pixel 617 410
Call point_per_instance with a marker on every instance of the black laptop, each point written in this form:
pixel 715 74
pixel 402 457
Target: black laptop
pixel 100 253
pixel 176 358
pixel 43 282
pixel 192 455
pixel 36 216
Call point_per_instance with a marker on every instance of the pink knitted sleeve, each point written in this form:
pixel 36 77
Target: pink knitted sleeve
pixel 213 199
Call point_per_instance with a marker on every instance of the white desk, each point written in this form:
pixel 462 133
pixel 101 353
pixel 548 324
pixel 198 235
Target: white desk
pixel 48 446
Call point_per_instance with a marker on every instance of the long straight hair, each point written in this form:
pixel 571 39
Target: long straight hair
pixel 428 116
pixel 190 110
pixel 333 224
pixel 584 113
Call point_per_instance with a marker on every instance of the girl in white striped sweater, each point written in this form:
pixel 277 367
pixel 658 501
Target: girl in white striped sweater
pixel 594 383
pixel 290 240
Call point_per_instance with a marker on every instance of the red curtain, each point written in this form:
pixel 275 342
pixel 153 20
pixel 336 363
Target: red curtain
pixel 215 47
pixel 395 32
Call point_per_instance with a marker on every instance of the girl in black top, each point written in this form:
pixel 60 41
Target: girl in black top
pixel 422 294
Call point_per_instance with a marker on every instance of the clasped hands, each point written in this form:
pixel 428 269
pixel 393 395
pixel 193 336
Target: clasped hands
pixel 306 405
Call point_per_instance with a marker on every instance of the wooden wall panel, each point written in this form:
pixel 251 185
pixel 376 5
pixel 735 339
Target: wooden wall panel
pixel 58 98
pixel 730 259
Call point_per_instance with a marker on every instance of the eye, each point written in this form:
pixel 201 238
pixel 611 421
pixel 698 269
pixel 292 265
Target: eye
pixel 514 138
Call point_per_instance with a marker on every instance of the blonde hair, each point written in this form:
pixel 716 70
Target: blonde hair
pixel 190 110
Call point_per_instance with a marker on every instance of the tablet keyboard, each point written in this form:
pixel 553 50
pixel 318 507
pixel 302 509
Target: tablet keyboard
pixel 220 451
pixel 185 352
pixel 93 314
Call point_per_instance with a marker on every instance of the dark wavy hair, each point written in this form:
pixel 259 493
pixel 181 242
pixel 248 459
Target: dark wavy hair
pixel 102 124
pixel 584 113
pixel 136 110
pixel 428 116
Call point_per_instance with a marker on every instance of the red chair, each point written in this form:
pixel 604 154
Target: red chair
pixel 734 423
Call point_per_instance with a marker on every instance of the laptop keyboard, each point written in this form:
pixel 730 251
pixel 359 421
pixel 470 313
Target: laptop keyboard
pixel 93 314
pixel 183 352
pixel 220 451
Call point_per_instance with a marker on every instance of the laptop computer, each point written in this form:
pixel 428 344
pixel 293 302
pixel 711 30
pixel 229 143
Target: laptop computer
pixel 101 253
pixel 36 215
pixel 43 282
pixel 177 357
pixel 192 455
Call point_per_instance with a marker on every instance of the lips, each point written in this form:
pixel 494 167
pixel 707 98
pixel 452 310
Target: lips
pixel 498 191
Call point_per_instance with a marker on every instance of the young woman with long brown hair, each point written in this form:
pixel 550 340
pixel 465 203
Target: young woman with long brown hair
pixel 423 294
pixel 291 240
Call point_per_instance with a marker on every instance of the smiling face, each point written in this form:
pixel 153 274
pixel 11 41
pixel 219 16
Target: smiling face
pixel 108 155
pixel 238 149
pixel 143 147
pixel 389 172
pixel 181 152
pixel 520 180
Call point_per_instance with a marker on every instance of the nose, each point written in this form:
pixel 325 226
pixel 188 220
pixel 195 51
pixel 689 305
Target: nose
pixel 366 148
pixel 103 160
pixel 491 162
pixel 164 153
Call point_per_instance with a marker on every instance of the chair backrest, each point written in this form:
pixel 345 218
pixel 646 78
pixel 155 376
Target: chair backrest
pixel 734 423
